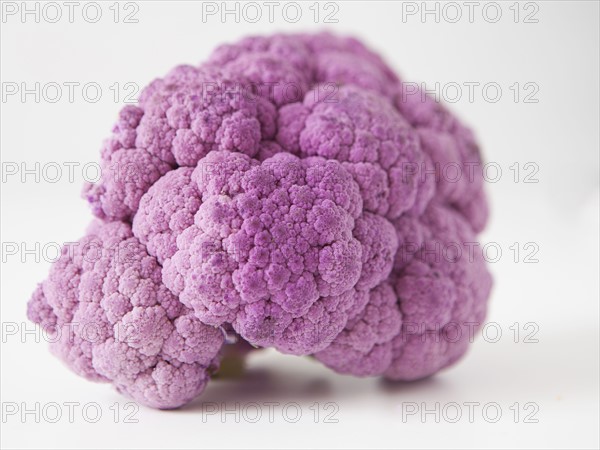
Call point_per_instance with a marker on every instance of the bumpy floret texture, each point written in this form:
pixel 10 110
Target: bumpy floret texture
pixel 293 192
pixel 112 319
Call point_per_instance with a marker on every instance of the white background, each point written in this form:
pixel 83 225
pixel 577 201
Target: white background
pixel 559 294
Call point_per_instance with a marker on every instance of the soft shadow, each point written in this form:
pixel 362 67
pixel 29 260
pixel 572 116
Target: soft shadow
pixel 426 384
pixel 261 385
pixel 295 384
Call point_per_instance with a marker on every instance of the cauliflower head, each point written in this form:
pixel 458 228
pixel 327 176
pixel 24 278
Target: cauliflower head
pixel 288 193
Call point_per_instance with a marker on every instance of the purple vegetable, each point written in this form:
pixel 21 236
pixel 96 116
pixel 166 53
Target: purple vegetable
pixel 286 192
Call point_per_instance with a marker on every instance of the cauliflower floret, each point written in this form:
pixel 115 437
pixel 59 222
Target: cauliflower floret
pixel 362 128
pixel 271 250
pixel 113 320
pixel 438 291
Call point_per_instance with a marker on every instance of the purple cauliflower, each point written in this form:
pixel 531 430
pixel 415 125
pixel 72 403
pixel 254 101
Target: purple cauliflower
pixel 287 193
